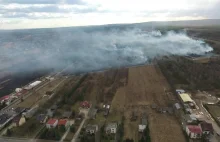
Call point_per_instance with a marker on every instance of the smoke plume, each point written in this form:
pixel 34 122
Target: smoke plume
pixel 88 50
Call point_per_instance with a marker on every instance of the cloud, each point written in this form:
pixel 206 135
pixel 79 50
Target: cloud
pixel 115 11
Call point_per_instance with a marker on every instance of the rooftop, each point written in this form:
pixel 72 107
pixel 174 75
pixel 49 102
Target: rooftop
pixel 206 126
pixel 194 129
pixel 51 121
pixel 62 122
pixel 111 125
pixel 185 97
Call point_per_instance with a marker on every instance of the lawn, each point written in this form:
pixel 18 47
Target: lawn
pixel 214 110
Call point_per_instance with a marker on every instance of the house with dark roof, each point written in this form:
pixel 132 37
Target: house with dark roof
pixel 51 123
pixel 66 114
pixel 42 118
pixel 92 113
pixel 194 131
pixel 206 128
pixel 18 121
pixel 4 119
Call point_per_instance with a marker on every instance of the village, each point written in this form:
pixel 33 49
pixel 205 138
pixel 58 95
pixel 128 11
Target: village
pixel 66 108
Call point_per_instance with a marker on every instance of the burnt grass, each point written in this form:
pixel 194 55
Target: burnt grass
pixel 191 75
pixel 19 79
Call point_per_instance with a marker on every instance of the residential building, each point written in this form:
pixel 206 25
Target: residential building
pixel 51 123
pixel 67 114
pixel 92 113
pixel 142 126
pixel 42 118
pixel 63 122
pixel 4 119
pixel 206 128
pixel 111 128
pixel 85 104
pixel 194 131
pixel 18 121
pixel 91 129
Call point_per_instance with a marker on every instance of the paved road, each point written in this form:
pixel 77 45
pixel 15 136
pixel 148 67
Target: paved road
pixel 85 111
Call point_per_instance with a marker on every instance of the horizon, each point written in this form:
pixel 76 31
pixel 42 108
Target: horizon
pixel 112 24
pixel 26 14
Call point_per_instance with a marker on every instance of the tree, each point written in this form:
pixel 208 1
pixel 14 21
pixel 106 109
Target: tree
pixel 9 132
pixel 62 128
pixel 72 129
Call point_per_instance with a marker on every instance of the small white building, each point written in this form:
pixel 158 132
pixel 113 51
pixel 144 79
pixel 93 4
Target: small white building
pixel 91 129
pixel 111 128
pixel 51 123
pixel 194 131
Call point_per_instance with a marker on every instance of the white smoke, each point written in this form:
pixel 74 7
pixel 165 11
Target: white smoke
pixel 93 50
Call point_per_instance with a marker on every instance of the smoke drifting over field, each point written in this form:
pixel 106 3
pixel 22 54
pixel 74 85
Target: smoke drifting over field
pixel 92 50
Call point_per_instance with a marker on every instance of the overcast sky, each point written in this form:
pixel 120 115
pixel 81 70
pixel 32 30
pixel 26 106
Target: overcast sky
pixel 19 14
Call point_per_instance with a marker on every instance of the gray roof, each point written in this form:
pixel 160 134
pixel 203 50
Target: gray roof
pixel 111 125
pixel 4 118
pixel 91 127
pixel 177 105
pixel 67 114
pixel 92 112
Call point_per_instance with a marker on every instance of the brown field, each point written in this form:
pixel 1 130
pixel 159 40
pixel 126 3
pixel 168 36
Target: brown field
pixel 146 85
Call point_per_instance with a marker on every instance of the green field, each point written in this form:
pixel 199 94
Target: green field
pixel 214 110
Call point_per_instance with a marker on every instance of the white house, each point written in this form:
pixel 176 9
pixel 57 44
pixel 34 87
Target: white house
pixel 111 128
pixel 51 123
pixel 91 129
pixel 194 131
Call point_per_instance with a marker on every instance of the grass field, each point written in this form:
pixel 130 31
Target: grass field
pixel 146 85
pixel 214 110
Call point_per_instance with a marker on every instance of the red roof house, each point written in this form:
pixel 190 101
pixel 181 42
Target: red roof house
pixel 85 104
pixel 51 123
pixel 207 128
pixel 194 131
pixel 63 122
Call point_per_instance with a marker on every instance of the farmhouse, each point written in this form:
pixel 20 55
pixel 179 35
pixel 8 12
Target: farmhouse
pixel 194 131
pixel 111 128
pixel 91 129
pixel 206 128
pixel 52 123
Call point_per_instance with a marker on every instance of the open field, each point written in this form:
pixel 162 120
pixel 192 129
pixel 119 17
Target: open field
pixel 214 110
pixel 146 86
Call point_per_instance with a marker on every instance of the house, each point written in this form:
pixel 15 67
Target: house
pixel 63 122
pixel 92 113
pixel 206 128
pixel 51 123
pixel 31 112
pixel 85 104
pixel 67 114
pixel 18 121
pixel 91 129
pixel 50 113
pixel 142 126
pixel 189 118
pixel 4 119
pixel 194 131
pixel 111 128
pixel 42 118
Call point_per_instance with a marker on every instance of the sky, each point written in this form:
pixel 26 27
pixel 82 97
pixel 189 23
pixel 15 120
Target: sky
pixel 22 14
